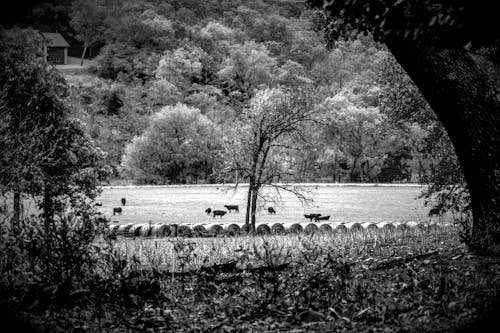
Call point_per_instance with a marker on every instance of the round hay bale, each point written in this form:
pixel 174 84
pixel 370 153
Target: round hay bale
pixel 245 229
pixel 262 229
pixel 160 230
pixel 371 226
pixel 389 227
pixel 412 224
pixel 311 228
pixel 277 229
pixel 340 228
pixel 184 230
pixel 356 226
pixel 124 229
pixel 232 229
pixel 294 228
pixel 145 230
pixel 113 229
pixel 403 227
pixel 325 228
pixel 135 230
pixel 199 230
pixel 215 229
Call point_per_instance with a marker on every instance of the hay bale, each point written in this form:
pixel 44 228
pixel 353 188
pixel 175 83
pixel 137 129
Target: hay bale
pixel 311 228
pixel 325 228
pixel 356 226
pixel 371 226
pixel 262 229
pixel 199 230
pixel 145 230
pixel 294 228
pixel 135 230
pixel 160 230
pixel 277 229
pixel 124 229
pixel 215 229
pixel 184 230
pixel 113 229
pixel 403 227
pixel 341 228
pixel 232 229
pixel 389 226
pixel 245 229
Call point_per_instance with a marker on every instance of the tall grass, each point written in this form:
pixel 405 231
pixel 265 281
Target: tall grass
pixel 180 254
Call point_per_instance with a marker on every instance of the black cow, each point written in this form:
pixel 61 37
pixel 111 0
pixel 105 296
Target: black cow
pixel 311 216
pixel 232 207
pixel 208 211
pixel 220 213
pixel 271 210
pixel 322 218
pixel 117 210
pixel 123 201
pixel 98 203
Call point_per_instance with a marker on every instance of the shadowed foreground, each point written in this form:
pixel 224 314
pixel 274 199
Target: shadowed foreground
pixel 373 280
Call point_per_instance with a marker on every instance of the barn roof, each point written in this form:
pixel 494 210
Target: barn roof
pixel 55 39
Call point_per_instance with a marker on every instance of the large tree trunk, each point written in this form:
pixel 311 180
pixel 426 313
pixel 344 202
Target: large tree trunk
pixel 255 192
pixel 249 205
pixel 467 102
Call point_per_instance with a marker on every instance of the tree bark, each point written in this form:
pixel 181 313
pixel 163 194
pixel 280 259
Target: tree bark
pixel 83 53
pixel 17 209
pixel 249 204
pixel 255 192
pixel 467 102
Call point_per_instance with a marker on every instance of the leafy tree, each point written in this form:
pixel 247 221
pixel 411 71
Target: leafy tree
pixel 88 20
pixel 437 43
pixel 180 145
pixel 44 152
pixel 254 148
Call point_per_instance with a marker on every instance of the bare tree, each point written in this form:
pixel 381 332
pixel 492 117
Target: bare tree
pixel 256 146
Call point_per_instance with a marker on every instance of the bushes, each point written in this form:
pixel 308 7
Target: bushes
pixel 43 263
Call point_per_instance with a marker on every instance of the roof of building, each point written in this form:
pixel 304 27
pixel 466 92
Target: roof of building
pixel 55 39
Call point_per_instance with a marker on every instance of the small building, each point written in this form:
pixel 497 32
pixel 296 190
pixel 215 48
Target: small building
pixel 55 49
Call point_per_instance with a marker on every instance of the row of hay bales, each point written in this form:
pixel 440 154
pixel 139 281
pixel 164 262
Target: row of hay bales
pixel 218 229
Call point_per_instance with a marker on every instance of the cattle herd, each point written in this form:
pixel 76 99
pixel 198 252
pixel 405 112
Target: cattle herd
pixel 318 223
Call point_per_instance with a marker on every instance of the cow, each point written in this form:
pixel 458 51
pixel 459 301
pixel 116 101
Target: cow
pixel 232 207
pixel 123 201
pixel 208 211
pixel 117 210
pixel 220 213
pixel 271 210
pixel 321 218
pixel 311 216
pixel 98 203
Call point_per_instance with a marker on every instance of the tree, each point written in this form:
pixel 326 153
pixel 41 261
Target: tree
pixel 44 152
pixel 88 20
pixel 180 145
pixel 254 148
pixel 438 43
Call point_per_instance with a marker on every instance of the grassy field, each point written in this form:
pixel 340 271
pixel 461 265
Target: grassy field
pixel 365 281
pixel 186 204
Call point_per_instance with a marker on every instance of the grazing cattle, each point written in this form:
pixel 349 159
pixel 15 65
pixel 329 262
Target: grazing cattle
pixel 232 207
pixel 123 201
pixel 322 218
pixel 271 210
pixel 208 211
pixel 98 203
pixel 220 213
pixel 311 216
pixel 117 210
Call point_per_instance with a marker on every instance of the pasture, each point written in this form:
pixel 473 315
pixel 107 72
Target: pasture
pixel 187 204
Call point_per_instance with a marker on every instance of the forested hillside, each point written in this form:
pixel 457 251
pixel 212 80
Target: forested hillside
pixel 166 95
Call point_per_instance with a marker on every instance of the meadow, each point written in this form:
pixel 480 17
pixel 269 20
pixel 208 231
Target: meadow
pixel 187 204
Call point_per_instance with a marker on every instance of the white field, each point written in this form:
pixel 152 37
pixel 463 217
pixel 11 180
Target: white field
pixel 187 204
